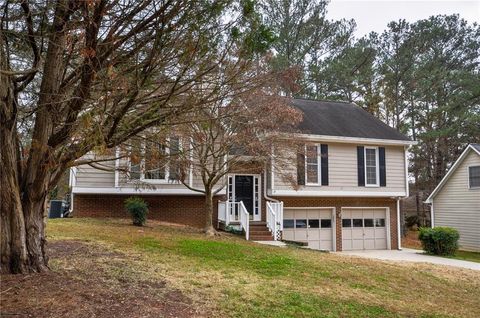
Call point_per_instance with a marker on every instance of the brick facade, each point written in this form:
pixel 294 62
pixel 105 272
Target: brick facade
pixel 338 203
pixel 181 209
pixel 188 209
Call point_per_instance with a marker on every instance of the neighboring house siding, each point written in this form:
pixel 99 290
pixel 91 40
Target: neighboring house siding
pixel 342 160
pixel 457 206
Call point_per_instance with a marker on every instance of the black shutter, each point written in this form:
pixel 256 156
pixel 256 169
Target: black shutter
pixel 361 166
pixel 324 163
pixel 383 173
pixel 300 169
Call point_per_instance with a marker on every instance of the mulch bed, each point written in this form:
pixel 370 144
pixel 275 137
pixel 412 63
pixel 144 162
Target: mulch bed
pixel 67 292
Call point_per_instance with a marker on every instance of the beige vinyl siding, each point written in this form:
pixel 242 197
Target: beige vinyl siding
pixel 342 161
pixel 90 177
pixel 457 206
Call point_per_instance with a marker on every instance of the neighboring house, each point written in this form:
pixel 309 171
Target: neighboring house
pixel 455 202
pixel 348 187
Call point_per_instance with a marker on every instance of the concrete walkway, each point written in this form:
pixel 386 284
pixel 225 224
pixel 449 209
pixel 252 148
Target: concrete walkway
pixel 272 243
pixel 411 255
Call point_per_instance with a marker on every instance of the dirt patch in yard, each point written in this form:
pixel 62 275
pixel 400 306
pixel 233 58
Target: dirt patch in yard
pixel 85 287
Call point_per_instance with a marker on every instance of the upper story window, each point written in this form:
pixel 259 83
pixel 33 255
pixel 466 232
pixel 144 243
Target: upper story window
pixel 155 160
pixel 474 177
pixel 312 164
pixel 371 166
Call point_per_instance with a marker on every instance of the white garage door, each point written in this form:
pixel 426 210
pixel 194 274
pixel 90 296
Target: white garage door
pixel 364 229
pixel 313 226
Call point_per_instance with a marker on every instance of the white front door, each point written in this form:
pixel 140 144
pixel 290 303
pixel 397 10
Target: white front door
pixel 310 225
pixel 364 229
pixel 246 188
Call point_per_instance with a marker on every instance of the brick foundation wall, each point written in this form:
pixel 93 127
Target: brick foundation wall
pixel 181 209
pixel 338 203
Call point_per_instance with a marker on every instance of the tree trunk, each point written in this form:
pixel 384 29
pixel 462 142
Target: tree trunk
pixel 22 229
pixel 209 229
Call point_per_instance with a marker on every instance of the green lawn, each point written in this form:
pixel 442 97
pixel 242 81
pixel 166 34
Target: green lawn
pixel 467 256
pixel 227 276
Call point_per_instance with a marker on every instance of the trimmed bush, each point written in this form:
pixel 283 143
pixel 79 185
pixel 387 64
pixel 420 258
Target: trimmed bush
pixel 138 208
pixel 439 240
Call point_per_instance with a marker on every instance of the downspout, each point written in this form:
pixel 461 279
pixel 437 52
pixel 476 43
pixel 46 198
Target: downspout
pixel 432 222
pixel 265 186
pixel 399 234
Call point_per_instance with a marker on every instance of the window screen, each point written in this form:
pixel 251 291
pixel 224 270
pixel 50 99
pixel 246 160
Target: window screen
pixel 474 176
pixel 312 164
pixel 371 166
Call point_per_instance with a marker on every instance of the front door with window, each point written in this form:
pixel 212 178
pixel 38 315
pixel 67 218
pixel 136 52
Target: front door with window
pixel 245 188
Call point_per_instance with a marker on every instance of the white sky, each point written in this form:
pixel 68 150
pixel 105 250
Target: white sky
pixel 374 15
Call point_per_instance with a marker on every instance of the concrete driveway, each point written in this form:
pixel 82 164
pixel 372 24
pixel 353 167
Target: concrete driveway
pixel 411 255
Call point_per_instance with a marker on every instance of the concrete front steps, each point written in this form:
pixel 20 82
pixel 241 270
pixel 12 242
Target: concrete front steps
pixel 260 232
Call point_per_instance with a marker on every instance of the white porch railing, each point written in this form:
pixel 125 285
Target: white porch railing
pixel 275 219
pixel 229 212
pixel 244 219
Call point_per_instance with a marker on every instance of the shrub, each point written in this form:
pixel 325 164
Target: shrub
pixel 439 240
pixel 138 209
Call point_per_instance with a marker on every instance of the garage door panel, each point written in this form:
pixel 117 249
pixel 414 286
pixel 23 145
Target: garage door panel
pixel 380 244
pixel 357 244
pixel 288 214
pixel 326 234
pixel 367 229
pixel 288 234
pixel 316 236
pixel 314 244
pixel 369 244
pixel 300 214
pixel 326 245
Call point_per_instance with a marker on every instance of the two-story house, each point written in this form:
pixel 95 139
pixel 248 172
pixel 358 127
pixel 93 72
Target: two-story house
pixel 349 182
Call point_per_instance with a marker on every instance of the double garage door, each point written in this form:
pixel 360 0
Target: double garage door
pixel 362 228
pixel 313 226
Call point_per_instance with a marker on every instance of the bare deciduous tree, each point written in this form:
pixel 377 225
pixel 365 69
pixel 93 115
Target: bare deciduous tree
pixel 82 75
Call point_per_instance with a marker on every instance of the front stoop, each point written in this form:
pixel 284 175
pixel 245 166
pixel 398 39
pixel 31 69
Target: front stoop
pixel 260 232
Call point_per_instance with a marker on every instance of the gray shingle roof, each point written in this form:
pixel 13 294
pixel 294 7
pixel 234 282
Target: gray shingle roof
pixel 342 119
pixel 476 146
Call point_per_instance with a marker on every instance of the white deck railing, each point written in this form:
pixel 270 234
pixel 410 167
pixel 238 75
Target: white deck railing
pixel 229 212
pixel 275 219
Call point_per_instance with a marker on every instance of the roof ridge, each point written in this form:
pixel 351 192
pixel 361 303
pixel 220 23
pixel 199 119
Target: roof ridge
pixel 327 100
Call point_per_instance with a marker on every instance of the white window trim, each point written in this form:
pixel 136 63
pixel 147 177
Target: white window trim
pixel 468 179
pixel 377 166
pixel 319 169
pixel 167 165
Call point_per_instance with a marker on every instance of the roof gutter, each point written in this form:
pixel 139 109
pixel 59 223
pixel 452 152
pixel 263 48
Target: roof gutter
pixel 343 139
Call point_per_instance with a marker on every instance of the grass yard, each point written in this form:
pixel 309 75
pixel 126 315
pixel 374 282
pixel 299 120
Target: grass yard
pixel 412 241
pixel 107 268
